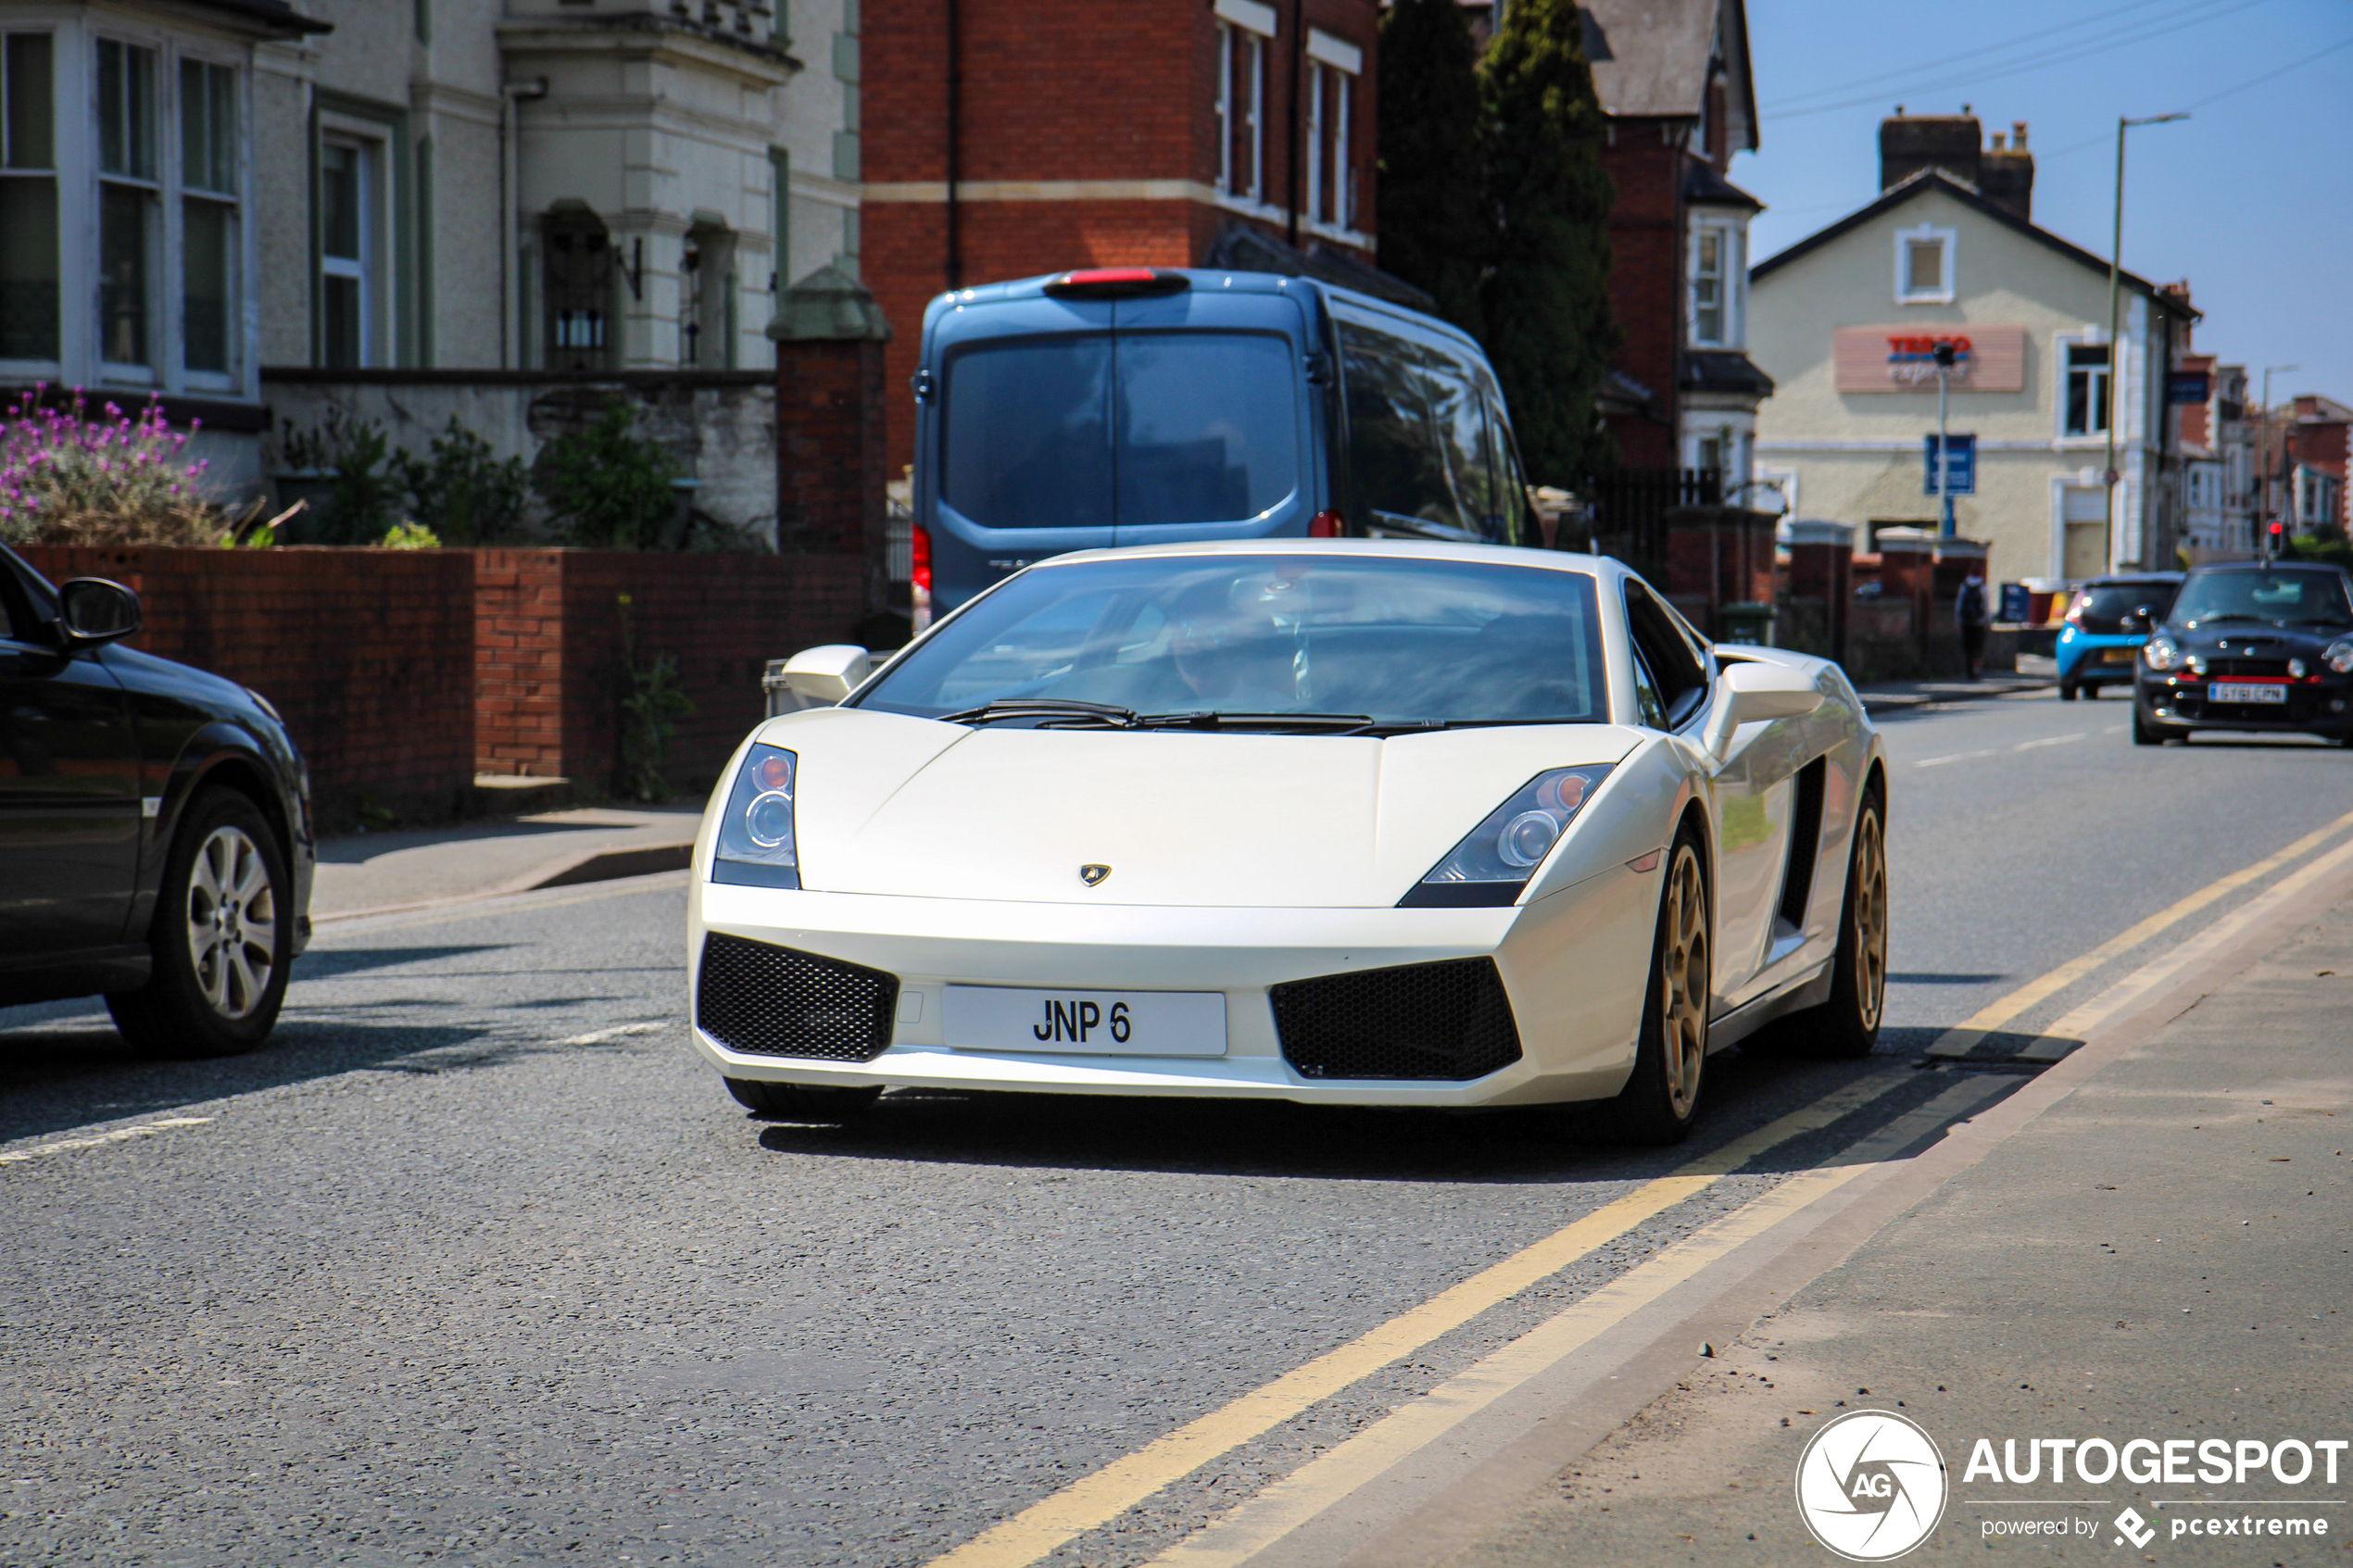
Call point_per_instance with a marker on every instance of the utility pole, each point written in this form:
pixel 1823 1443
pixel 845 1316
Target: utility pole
pixel 2263 453
pixel 2115 303
pixel 1945 528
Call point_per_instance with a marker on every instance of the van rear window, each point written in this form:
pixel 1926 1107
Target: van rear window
pixel 1147 429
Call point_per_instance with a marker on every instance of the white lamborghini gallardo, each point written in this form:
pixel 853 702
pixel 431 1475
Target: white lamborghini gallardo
pixel 1341 821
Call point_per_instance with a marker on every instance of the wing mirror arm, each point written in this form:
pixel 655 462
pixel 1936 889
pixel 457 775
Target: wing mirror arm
pixel 1752 692
pixel 825 675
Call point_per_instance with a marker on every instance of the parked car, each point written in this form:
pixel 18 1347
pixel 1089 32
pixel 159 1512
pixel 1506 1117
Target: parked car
pixel 2103 633
pixel 2267 646
pixel 155 842
pixel 1134 406
pixel 1357 823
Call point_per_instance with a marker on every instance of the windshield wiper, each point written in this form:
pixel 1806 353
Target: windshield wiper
pixel 2317 621
pixel 1340 723
pixel 1067 709
pixel 2228 615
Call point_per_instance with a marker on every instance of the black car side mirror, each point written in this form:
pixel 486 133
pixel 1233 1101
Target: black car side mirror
pixel 2147 617
pixel 92 611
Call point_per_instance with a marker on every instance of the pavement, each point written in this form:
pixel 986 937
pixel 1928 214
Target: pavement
pixel 476 1262
pixel 375 872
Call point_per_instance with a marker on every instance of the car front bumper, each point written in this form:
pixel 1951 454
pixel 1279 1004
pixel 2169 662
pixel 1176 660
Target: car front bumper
pixel 2315 707
pixel 1573 967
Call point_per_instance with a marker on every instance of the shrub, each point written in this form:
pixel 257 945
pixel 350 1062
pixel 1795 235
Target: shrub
pixel 409 536
pixel 67 479
pixel 605 486
pixel 462 491
pixel 362 487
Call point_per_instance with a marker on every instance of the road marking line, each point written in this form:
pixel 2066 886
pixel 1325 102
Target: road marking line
pixel 516 904
pixel 2051 740
pixel 1107 1493
pixel 1261 1521
pixel 598 1037
pixel 121 1134
pixel 1963 1037
pixel 2061 1037
pixel 1952 756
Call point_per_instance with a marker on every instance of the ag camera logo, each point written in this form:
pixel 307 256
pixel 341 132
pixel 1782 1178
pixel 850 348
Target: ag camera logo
pixel 1871 1486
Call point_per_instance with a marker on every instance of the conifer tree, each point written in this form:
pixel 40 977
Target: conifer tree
pixel 1545 300
pixel 1437 226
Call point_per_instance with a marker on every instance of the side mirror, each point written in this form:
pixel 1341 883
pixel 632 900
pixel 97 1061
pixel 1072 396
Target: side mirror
pixel 2144 616
pixel 1756 692
pixel 829 673
pixel 92 611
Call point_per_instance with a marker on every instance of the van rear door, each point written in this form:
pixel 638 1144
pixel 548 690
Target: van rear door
pixel 1021 416
pixel 1215 434
pixel 1423 443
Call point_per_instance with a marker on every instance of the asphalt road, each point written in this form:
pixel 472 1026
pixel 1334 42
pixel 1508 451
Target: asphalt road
pixel 476 1264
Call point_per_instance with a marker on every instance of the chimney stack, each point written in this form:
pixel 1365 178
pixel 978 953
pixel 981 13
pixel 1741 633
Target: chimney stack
pixel 2006 175
pixel 1908 144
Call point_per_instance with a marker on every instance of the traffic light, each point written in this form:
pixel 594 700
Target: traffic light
pixel 2276 542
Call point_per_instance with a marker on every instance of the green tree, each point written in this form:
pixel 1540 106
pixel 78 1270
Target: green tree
pixel 1547 297
pixel 1437 225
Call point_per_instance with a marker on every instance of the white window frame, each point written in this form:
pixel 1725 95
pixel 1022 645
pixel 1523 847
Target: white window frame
pixel 234 199
pixel 1247 27
pixel 162 236
pixel 368 268
pixel 2090 337
pixel 1730 278
pixel 62 55
pixel 1334 65
pixel 1945 293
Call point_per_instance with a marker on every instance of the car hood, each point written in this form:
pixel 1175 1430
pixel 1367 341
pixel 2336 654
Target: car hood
pixel 2255 639
pixel 889 804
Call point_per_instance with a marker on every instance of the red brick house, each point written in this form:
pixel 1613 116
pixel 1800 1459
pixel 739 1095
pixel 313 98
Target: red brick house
pixel 1674 81
pixel 1003 140
pixel 2310 443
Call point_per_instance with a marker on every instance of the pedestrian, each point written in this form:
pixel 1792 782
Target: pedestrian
pixel 1969 614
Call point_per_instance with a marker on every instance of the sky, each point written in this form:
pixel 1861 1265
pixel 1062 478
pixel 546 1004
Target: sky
pixel 2251 200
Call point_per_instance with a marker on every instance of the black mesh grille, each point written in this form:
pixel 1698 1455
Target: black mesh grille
pixel 2222 668
pixel 755 997
pixel 1447 1020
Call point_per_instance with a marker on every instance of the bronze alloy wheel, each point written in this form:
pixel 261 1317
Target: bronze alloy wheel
pixel 1682 982
pixel 1867 920
pixel 233 922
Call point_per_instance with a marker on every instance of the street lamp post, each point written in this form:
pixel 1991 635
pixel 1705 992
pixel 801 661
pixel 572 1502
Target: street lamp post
pixel 2263 455
pixel 1945 529
pixel 2115 301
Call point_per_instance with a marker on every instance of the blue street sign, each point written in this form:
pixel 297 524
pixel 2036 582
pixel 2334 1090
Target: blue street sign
pixel 1962 459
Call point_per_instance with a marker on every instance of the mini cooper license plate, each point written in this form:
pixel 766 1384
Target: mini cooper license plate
pixel 2118 656
pixel 2241 691
pixel 1000 1018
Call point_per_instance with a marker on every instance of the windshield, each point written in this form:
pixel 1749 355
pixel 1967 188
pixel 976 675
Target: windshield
pixel 1137 430
pixel 1397 641
pixel 2286 597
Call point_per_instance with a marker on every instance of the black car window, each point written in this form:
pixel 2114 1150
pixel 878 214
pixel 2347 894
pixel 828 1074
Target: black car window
pixel 2285 596
pixel 1026 431
pixel 1682 679
pixel 1418 436
pixel 1208 426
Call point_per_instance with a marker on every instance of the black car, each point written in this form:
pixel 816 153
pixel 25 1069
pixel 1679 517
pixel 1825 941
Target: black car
pixel 155 843
pixel 2267 646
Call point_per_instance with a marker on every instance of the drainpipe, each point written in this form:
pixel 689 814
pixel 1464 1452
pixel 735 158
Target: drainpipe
pixel 1297 90
pixel 509 192
pixel 955 93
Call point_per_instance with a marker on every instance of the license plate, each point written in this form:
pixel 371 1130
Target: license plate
pixel 1000 1018
pixel 2118 656
pixel 2241 691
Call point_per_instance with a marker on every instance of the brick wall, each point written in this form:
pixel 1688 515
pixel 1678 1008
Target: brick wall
pixel 1646 283
pixel 550 672
pixel 368 655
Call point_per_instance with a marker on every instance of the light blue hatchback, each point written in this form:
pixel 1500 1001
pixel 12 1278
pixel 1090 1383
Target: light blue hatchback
pixel 2104 632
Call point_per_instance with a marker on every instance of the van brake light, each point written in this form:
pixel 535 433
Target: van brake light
pixel 1326 525
pixel 1113 283
pixel 920 574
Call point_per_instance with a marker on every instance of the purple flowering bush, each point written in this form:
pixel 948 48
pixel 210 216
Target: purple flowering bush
pixel 67 477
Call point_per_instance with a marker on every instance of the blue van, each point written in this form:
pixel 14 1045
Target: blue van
pixel 1133 406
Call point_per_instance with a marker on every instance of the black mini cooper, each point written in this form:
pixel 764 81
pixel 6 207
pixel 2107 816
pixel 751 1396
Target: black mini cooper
pixel 155 827
pixel 2265 645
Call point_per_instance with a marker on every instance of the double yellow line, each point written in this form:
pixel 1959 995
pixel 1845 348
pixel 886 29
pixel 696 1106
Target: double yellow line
pixel 1099 1498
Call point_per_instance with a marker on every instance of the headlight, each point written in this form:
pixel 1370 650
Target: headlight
pixel 2340 655
pixel 2162 653
pixel 1494 863
pixel 2194 664
pixel 2296 670
pixel 756 844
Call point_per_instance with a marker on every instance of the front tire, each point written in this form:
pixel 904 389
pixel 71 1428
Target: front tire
pixel 2144 733
pixel 802 1102
pixel 2067 691
pixel 1660 1101
pixel 222 940
pixel 1847 1026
